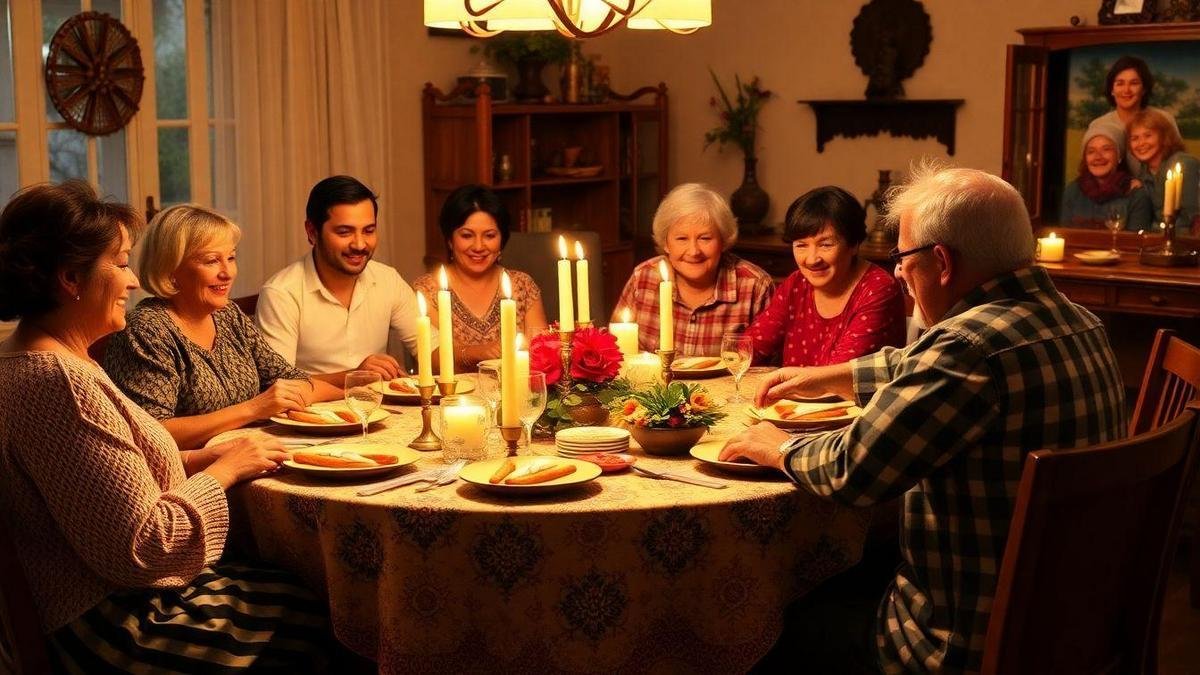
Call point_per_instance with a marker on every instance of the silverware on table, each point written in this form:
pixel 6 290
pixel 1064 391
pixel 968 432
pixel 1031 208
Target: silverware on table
pixel 299 443
pixel 448 476
pixel 694 480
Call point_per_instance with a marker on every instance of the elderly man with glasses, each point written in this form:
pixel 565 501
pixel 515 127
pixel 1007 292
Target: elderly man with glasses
pixel 1007 366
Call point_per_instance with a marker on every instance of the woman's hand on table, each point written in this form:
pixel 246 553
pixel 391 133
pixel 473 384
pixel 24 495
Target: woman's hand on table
pixel 282 395
pixel 759 444
pixel 245 458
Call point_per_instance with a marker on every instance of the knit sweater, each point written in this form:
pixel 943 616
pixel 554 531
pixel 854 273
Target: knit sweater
pixel 93 489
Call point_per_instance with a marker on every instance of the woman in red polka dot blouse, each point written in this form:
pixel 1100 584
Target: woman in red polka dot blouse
pixel 837 306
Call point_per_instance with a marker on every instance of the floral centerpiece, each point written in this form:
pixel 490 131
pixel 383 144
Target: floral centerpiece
pixel 739 126
pixel 593 383
pixel 669 419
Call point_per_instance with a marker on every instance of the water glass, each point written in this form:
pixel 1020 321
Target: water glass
pixel 1115 222
pixel 532 405
pixel 737 350
pixel 364 393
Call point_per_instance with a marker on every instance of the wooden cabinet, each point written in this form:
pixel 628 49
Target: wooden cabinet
pixel 613 187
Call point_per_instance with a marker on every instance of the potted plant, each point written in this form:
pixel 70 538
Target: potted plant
pixel 592 384
pixel 669 419
pixel 529 52
pixel 739 126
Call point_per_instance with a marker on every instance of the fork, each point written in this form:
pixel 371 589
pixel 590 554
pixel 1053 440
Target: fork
pixel 446 477
pixel 694 480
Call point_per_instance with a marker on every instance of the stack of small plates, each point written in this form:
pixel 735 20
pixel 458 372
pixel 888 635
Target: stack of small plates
pixel 589 440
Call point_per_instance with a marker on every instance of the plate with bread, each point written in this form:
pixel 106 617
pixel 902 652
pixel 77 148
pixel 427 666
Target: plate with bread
pixel 404 390
pixel 529 475
pixel 347 461
pixel 688 367
pixel 787 414
pixel 709 451
pixel 327 418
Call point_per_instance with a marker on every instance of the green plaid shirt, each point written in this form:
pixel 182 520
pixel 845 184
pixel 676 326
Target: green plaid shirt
pixel 947 422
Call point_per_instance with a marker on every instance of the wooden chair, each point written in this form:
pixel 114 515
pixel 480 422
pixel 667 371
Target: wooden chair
pixel 1085 568
pixel 22 647
pixel 1172 379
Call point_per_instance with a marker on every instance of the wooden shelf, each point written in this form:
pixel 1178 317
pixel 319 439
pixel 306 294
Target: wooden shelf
pixel 566 180
pixel 899 117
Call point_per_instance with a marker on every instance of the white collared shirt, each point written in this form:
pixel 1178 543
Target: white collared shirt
pixel 304 322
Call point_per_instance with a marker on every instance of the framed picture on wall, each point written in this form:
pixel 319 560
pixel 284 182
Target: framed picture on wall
pixel 1126 11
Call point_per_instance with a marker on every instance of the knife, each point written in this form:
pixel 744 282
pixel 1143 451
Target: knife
pixel 694 480
pixel 448 476
pixel 384 486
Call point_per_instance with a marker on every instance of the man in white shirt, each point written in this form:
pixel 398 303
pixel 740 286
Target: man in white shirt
pixel 331 311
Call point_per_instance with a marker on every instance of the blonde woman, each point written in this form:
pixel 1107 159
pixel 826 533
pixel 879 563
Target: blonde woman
pixel 189 356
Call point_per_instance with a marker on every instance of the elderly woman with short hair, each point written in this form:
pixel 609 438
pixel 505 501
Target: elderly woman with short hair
pixel 715 291
pixel 118 533
pixel 189 356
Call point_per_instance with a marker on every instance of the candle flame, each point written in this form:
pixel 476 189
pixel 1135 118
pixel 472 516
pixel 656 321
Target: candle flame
pixel 1178 168
pixel 422 308
pixel 506 286
pixel 578 251
pixel 1053 236
pixel 662 270
pixel 562 247
pixel 625 315
pixel 1170 174
pixel 442 278
pixel 520 340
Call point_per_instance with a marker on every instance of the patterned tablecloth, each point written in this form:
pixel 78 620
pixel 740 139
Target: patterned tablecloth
pixel 624 573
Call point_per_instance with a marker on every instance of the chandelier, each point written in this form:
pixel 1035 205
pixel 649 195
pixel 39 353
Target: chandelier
pixel 573 18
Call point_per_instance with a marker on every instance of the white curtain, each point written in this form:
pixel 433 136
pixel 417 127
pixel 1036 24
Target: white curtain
pixel 301 85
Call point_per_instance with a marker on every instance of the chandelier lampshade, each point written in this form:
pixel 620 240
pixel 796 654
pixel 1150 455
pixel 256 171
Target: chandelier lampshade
pixel 573 18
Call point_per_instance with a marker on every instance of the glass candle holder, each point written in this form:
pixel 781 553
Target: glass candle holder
pixel 463 424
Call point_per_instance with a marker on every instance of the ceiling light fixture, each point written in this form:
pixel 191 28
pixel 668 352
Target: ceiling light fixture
pixel 574 18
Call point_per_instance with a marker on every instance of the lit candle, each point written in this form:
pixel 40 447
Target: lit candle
pixel 581 278
pixel 666 308
pixel 445 332
pixel 642 370
pixel 464 430
pixel 566 299
pixel 626 333
pixel 509 412
pixel 522 368
pixel 1178 184
pixel 1169 194
pixel 1050 249
pixel 424 346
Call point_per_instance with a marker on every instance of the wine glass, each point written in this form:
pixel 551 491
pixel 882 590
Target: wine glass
pixel 364 393
pixel 488 388
pixel 737 349
pixel 532 405
pixel 1115 222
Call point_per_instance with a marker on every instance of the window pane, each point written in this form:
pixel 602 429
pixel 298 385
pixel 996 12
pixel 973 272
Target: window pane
pixel 8 165
pixel 68 154
pixel 110 152
pixel 54 13
pixel 174 166
pixel 224 170
pixel 7 104
pixel 170 60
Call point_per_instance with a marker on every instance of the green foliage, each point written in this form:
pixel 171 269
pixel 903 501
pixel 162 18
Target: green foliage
pixel 739 116
pixel 678 405
pixel 558 408
pixel 516 46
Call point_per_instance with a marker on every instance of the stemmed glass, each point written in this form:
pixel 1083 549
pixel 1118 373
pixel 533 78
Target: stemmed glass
pixel 1114 223
pixel 364 393
pixel 533 404
pixel 737 349
pixel 489 388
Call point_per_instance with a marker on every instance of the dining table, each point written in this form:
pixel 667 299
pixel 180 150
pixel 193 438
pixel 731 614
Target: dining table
pixel 623 573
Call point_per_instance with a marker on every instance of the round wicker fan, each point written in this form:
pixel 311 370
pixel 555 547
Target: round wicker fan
pixel 94 73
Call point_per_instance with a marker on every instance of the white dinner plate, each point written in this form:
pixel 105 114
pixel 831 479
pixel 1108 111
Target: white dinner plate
pixel 708 451
pixel 404 457
pixel 1098 257
pixel 377 415
pixel 591 435
pixel 390 395
pixel 681 370
pixel 769 414
pixel 478 473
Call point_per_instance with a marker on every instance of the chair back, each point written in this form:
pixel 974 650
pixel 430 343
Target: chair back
pixel 22 646
pixel 1172 379
pixel 535 253
pixel 1085 567
pixel 248 304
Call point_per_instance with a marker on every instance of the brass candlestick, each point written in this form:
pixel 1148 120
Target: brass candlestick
pixel 1169 255
pixel 447 388
pixel 666 357
pixel 426 440
pixel 580 325
pixel 512 437
pixel 564 351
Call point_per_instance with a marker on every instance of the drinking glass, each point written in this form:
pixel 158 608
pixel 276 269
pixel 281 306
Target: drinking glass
pixel 737 350
pixel 364 393
pixel 488 388
pixel 533 404
pixel 1115 222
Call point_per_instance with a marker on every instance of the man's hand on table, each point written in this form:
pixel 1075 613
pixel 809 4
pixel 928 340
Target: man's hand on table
pixel 800 383
pixel 759 444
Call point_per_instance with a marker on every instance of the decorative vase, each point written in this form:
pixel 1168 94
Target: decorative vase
pixel 529 80
pixel 879 233
pixel 749 202
pixel 589 412
pixel 667 441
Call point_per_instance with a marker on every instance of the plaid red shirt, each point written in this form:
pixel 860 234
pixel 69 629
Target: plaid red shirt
pixel 743 290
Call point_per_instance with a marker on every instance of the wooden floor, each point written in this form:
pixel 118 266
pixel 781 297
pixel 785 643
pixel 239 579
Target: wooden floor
pixel 1179 636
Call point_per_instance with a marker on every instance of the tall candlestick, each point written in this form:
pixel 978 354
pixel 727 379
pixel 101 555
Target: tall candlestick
pixel 445 331
pixel 666 308
pixel 626 333
pixel 1178 184
pixel 566 299
pixel 510 415
pixel 424 346
pixel 522 368
pixel 1169 194
pixel 581 278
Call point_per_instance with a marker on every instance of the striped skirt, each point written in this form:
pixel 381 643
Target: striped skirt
pixel 230 619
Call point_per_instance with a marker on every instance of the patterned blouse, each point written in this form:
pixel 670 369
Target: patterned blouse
pixel 742 292
pixel 476 330
pixel 872 319
pixel 168 375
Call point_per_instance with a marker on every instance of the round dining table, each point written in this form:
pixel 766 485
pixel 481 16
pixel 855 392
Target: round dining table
pixel 623 573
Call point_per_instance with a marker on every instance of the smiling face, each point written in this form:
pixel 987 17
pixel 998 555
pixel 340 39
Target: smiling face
pixel 476 245
pixel 1145 144
pixel 693 249
pixel 346 241
pixel 206 275
pixel 825 259
pixel 1101 156
pixel 104 294
pixel 1127 90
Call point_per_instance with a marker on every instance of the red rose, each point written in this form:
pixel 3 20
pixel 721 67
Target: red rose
pixel 544 357
pixel 595 356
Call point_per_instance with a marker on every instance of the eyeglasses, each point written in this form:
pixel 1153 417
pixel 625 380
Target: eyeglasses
pixel 897 255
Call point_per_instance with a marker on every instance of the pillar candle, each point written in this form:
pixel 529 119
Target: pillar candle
pixel 1178 184
pixel 581 278
pixel 566 299
pixel 424 346
pixel 643 370
pixel 1169 194
pixel 1051 248
pixel 626 333
pixel 509 412
pixel 463 430
pixel 445 331
pixel 666 308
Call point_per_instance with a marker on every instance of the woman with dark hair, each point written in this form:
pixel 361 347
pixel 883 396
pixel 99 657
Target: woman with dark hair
pixel 1158 146
pixel 475 225
pixel 1129 87
pixel 117 531
pixel 1104 186
pixel 837 306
